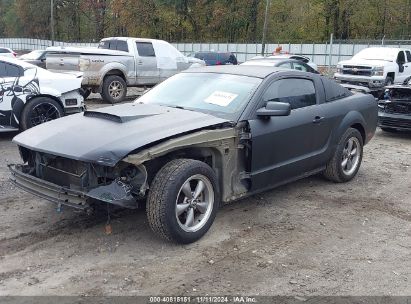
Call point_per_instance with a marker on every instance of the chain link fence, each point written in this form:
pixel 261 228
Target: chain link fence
pixel 323 54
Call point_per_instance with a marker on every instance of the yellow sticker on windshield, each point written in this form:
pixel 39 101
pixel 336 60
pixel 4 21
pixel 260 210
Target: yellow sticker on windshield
pixel 221 98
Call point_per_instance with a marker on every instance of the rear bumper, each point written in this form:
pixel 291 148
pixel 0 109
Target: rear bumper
pixel 47 190
pixel 394 121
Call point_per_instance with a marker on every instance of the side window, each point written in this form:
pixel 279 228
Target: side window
pixel 298 92
pixel 286 65
pixel 104 44
pixel 13 70
pixel 3 69
pixel 300 67
pixel 122 46
pixel 145 49
pixel 112 45
pixel 401 57
pixel 408 55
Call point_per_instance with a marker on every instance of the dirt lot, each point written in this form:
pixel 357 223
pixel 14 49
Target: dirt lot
pixel 309 238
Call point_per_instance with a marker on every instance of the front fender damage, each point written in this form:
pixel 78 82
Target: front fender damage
pixel 226 148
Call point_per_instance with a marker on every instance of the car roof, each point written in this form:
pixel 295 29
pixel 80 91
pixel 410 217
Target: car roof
pixel 387 48
pixel 131 38
pixel 19 62
pixel 273 61
pixel 241 70
pixel 213 52
pixel 287 56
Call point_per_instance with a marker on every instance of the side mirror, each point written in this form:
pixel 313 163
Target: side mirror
pixel 274 109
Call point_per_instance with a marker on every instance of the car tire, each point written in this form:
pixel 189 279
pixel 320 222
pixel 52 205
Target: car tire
pixel 171 213
pixel 39 110
pixel 389 81
pixel 346 161
pixel 114 89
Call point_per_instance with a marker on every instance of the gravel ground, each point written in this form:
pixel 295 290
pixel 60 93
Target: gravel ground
pixel 308 238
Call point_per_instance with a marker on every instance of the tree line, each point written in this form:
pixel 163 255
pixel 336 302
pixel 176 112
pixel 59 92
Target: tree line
pixel 208 20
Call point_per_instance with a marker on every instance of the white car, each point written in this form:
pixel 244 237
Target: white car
pixel 301 58
pixel 375 67
pixel 30 95
pixel 6 52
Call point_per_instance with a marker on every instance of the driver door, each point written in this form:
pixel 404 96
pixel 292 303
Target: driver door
pixel 285 147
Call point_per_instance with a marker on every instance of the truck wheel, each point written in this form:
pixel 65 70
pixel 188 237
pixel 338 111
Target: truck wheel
pixel 346 161
pixel 39 110
pixel 389 81
pixel 114 89
pixel 183 200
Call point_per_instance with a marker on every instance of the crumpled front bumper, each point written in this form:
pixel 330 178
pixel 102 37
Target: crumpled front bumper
pixel 47 190
pixel 116 193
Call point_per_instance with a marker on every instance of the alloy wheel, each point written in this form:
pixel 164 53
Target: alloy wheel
pixel 194 203
pixel 351 156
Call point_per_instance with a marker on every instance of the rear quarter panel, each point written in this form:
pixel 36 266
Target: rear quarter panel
pixel 358 109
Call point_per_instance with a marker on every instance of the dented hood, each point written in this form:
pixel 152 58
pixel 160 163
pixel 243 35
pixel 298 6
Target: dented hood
pixel 109 134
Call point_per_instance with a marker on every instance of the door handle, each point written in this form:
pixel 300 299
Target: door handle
pixel 318 119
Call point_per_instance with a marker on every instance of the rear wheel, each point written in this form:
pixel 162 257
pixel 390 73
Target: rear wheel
pixel 346 161
pixel 114 89
pixel 183 200
pixel 39 110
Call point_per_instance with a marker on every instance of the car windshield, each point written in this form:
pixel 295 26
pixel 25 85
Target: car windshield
pixel 32 55
pixel 221 95
pixel 377 54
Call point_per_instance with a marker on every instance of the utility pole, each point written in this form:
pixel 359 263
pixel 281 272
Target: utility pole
pixel 267 7
pixel 52 21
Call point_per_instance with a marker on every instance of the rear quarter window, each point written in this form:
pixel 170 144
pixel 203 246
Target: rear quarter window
pixel 122 46
pixel 408 53
pixel 334 91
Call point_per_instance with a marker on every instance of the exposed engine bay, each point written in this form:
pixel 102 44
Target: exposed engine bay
pixel 120 185
pixel 397 100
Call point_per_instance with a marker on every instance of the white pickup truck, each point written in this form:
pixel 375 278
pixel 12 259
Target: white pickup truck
pixel 120 62
pixel 375 67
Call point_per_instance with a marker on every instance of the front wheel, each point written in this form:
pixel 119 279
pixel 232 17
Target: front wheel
pixel 39 110
pixel 389 81
pixel 346 161
pixel 114 89
pixel 183 200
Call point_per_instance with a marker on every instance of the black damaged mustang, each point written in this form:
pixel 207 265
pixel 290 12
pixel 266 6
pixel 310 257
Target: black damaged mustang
pixel 201 138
